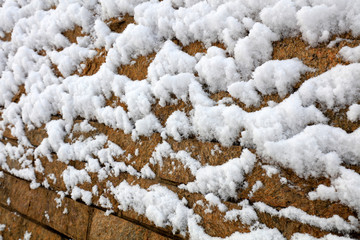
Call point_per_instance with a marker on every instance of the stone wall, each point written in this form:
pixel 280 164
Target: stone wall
pixel 39 211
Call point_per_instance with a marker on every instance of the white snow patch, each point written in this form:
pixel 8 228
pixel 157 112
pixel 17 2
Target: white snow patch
pixel 329 224
pixel 354 112
pixel 223 180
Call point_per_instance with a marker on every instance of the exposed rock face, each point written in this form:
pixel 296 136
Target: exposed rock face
pixel 76 188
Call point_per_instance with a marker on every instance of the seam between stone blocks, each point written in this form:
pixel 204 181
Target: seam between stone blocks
pixel 8 208
pixel 90 219
pixel 91 210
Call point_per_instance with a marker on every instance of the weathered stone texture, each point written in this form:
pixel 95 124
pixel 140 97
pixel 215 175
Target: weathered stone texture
pixel 112 227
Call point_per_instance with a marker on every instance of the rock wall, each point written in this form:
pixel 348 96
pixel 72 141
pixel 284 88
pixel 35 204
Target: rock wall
pixel 49 211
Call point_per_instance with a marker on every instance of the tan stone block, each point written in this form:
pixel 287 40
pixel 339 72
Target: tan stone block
pixel 74 223
pixel 53 167
pixel 36 135
pixel 17 226
pixel 144 146
pixel 288 227
pixel 293 192
pixel 213 220
pixel 39 204
pixel 15 193
pixel 211 153
pixel 213 223
pixel 112 227
pixel 13 163
pixel 7 134
pixel 131 214
pixel 173 170
pixel 4 189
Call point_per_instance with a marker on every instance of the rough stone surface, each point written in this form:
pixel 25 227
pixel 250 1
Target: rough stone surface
pixel 44 217
pixel 112 227
pixel 39 205
pixel 17 227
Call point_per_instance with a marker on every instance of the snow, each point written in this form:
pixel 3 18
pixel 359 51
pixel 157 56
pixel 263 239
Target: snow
pixel 170 60
pixel 217 122
pixel 65 211
pixel 139 99
pixel 278 76
pixel 27 235
pixel 112 9
pixel 46 215
pixel 105 202
pixel 147 172
pixel 178 126
pixel 146 126
pixel 158 204
pixel 302 236
pixel 136 40
pixel 274 76
pixel 163 150
pixel 223 180
pixel 197 232
pixel 344 188
pixel 331 223
pixel 215 201
pixel 177 85
pixel 337 87
pixel 354 112
pixel 253 50
pixel 59 200
pixel 95 190
pixel 317 23
pixel 159 16
pixel 247 214
pixel 255 187
pixel 163 207
pixel 350 54
pixel 291 134
pixel 104 36
pixel 214 66
pixel 270 170
pixel 281 18
pixel 72 177
pixel 84 195
pixel 321 153
pixel 70 57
